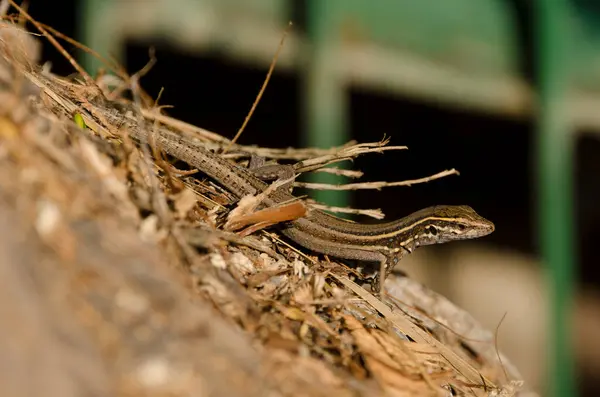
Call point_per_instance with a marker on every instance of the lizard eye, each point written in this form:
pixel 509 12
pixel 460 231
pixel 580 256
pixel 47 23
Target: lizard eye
pixel 432 230
pixel 461 226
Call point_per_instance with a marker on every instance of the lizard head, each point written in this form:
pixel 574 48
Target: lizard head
pixel 444 223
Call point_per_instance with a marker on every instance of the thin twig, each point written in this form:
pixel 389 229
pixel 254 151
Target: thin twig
pixel 110 63
pixel 374 185
pixel 290 153
pixel 344 154
pixel 51 39
pixel 496 347
pixel 160 202
pixel 262 89
pixel 373 213
pixel 341 172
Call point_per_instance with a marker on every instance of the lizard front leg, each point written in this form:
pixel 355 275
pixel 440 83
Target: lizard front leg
pixel 386 265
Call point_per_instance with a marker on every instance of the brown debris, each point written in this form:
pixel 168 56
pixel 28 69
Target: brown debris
pixel 116 279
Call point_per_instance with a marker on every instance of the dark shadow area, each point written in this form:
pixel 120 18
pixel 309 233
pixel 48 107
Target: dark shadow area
pixel 63 19
pixel 490 153
pixel 587 201
pixel 217 94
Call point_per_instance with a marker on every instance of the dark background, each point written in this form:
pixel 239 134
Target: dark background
pixel 494 155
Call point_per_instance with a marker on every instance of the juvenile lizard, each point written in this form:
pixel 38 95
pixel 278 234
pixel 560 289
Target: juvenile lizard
pixel 384 243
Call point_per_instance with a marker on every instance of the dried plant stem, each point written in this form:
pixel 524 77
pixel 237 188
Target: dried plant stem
pixel 375 185
pixel 373 213
pixel 56 44
pixel 262 89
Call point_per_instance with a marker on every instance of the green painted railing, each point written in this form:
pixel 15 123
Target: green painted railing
pixel 555 176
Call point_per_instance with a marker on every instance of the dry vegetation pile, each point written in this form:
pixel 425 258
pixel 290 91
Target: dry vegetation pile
pixel 114 279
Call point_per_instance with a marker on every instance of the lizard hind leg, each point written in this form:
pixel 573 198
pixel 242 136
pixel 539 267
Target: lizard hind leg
pixel 272 172
pixel 256 162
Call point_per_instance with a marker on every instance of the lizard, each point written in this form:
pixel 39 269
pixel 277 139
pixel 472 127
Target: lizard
pixel 384 243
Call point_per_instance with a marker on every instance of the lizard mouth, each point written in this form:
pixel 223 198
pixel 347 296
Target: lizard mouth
pixel 485 228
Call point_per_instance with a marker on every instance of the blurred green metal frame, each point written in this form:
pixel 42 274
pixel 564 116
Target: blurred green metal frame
pixel 555 204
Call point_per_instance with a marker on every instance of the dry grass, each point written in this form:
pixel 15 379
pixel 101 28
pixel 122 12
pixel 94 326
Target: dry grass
pixel 115 280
